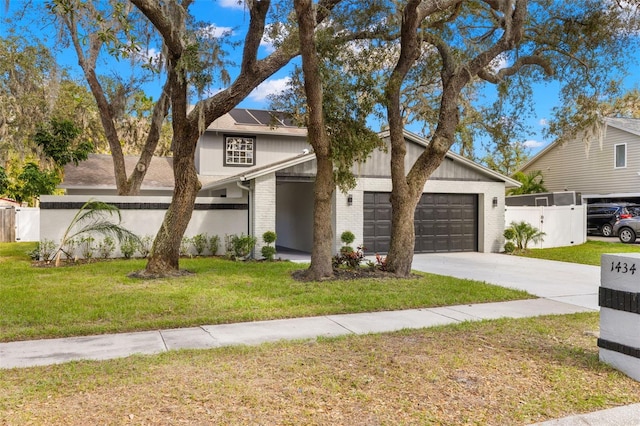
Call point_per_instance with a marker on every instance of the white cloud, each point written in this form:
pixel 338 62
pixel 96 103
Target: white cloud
pixel 499 62
pixel 533 144
pixel 148 56
pixel 269 87
pixel 232 4
pixel 216 32
pixel 273 33
pixel 543 122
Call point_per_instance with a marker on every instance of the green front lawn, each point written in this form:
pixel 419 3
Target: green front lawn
pixel 95 298
pixel 588 253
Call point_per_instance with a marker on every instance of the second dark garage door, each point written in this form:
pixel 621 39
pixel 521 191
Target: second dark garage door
pixel 443 222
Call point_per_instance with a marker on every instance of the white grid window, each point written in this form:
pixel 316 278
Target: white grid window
pixel 239 151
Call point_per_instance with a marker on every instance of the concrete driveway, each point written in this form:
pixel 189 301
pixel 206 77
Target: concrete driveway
pixel 564 282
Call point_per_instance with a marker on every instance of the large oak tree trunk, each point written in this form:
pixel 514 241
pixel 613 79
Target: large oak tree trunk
pixel 165 255
pixel 321 254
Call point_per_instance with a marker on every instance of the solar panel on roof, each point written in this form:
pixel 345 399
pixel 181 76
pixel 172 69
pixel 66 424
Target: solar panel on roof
pixel 262 117
pixel 265 117
pixel 286 119
pixel 242 116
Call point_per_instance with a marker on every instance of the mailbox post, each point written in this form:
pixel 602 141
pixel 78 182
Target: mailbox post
pixel 619 300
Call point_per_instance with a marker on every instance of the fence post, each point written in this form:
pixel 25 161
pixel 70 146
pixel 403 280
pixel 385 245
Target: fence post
pixel 7 224
pixel 619 301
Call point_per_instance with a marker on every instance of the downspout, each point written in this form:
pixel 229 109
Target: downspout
pixel 249 204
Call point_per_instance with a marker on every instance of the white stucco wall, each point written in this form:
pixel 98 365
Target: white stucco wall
pixel 221 222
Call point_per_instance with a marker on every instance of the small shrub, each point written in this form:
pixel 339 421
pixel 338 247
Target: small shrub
pixel 86 246
pixel 44 250
pixel 144 247
pixel 268 251
pixel 129 247
pixel 106 247
pixel 346 250
pixel 70 248
pixel 509 234
pixel 269 237
pixel 185 246
pixel 351 259
pixel 509 247
pixel 214 243
pixel 348 256
pixel 200 242
pixel 347 238
pixel 381 262
pixel 242 245
pixel 228 246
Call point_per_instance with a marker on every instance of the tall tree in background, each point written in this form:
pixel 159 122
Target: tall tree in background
pixel 34 90
pixel 93 28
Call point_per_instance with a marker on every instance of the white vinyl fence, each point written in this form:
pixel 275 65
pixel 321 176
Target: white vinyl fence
pixel 144 215
pixel 27 224
pixel 563 225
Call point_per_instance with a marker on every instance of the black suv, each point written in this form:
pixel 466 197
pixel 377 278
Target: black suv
pixel 602 216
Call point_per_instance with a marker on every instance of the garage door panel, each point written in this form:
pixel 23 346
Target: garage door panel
pixel 443 223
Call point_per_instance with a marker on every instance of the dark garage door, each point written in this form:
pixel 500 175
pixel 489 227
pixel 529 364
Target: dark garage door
pixel 443 222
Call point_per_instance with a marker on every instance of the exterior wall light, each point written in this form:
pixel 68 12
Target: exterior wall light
pixel 349 200
pixel 495 201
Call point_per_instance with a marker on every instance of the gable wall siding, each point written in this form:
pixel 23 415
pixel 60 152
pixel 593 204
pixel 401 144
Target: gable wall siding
pixel 574 167
pixel 268 149
pixel 379 164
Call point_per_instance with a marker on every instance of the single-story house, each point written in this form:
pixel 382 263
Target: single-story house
pixel 258 167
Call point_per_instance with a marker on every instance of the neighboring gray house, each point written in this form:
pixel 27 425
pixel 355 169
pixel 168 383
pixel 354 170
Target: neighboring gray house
pixel 599 170
pixel 262 166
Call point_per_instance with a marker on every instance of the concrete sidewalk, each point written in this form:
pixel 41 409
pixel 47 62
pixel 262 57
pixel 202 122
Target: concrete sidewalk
pixel 54 351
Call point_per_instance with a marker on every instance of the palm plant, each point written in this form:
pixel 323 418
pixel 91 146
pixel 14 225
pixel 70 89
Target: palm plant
pixel 532 183
pixel 523 233
pixel 94 217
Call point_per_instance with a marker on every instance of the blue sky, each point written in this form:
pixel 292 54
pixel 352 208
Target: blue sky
pixel 230 16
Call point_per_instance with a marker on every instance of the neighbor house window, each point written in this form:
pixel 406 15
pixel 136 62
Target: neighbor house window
pixel 239 150
pixel 621 155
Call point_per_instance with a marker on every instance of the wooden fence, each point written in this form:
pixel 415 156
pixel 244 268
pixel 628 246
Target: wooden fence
pixel 7 224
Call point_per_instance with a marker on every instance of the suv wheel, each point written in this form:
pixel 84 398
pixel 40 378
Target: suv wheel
pixel 627 235
pixel 607 230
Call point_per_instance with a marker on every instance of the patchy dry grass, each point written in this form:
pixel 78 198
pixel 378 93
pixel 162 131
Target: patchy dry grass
pixel 505 372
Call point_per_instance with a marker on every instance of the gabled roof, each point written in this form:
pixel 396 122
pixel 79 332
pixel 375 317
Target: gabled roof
pixel 255 121
pixel 97 172
pixel 256 172
pixel 629 125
